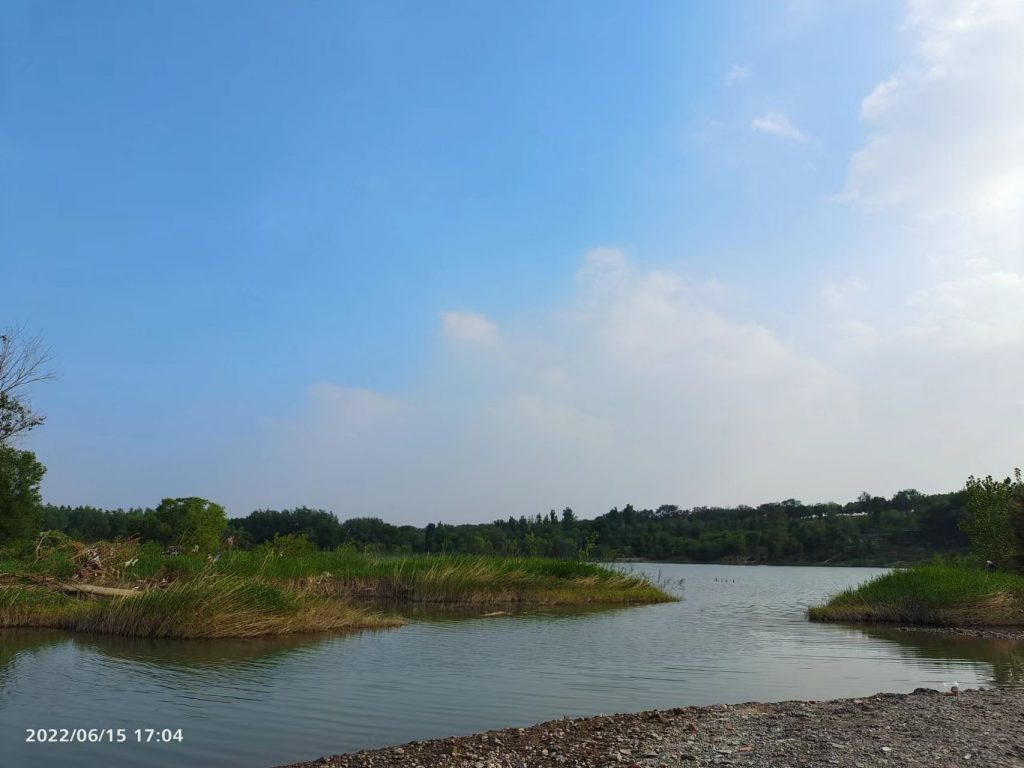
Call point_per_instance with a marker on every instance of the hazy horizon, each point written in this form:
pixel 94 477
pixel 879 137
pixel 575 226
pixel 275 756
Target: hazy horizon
pixel 458 263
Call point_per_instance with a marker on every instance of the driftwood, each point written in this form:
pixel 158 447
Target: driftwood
pixel 89 589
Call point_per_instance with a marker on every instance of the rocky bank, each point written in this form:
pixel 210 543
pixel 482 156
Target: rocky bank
pixel 926 729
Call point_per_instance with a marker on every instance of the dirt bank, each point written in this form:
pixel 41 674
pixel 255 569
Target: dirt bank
pixel 925 729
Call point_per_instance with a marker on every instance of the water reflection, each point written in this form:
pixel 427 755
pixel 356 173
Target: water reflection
pixel 200 655
pixel 24 642
pixel 1004 657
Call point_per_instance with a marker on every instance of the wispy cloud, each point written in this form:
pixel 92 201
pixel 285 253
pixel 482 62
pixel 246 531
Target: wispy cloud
pixel 648 386
pixel 470 327
pixel 778 124
pixel 738 73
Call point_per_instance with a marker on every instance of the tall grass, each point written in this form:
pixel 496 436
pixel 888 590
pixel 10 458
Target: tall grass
pixel 258 592
pixel 452 579
pixel 208 606
pixel 931 594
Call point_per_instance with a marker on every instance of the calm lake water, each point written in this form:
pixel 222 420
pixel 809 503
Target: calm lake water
pixel 739 634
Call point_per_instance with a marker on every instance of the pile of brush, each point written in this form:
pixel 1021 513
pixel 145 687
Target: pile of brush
pixel 102 562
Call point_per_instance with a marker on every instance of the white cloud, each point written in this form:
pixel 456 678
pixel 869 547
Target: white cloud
pixel 644 385
pixel 637 388
pixel 878 101
pixel 354 405
pixel 738 73
pixel 778 124
pixel 945 135
pixel 471 328
pixel 840 295
pixel 983 310
pixel 945 157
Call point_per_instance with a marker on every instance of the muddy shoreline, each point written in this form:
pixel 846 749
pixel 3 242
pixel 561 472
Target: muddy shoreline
pixel 925 729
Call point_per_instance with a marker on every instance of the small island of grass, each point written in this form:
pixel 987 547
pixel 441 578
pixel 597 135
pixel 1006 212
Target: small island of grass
pixel 984 590
pixel 125 588
pixel 932 595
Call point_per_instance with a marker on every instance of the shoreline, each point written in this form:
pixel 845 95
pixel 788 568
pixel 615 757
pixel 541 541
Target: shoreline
pixel 981 632
pixel 923 729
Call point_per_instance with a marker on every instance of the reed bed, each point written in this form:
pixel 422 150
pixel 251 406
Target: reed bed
pixel 206 607
pixel 938 595
pixel 456 579
pixel 261 592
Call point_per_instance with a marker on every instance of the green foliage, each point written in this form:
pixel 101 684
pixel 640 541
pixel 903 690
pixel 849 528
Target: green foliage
pixel 290 545
pixel 20 499
pixel 909 527
pixel 190 522
pixel 989 522
pixel 951 595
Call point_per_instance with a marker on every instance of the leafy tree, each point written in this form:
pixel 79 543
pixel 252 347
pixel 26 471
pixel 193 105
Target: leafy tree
pixel 907 527
pixel 568 518
pixel 1017 521
pixel 21 504
pixel 189 522
pixel 989 522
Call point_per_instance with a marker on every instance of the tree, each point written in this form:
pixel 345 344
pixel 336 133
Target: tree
pixel 989 522
pixel 21 503
pixel 1017 521
pixel 23 362
pixel 189 522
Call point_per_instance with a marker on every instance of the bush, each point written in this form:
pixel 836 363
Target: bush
pixel 21 505
pixel 989 520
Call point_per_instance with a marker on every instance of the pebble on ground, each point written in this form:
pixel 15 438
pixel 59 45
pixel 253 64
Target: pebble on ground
pixel 924 729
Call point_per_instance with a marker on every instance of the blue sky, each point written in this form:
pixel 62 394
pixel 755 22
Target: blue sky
pixel 462 261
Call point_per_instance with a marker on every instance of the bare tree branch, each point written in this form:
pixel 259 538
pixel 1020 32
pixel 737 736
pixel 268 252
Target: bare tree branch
pixel 24 361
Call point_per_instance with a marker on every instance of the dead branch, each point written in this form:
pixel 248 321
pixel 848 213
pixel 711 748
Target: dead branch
pixel 89 589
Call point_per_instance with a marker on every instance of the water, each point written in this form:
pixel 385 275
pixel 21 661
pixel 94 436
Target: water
pixel 738 635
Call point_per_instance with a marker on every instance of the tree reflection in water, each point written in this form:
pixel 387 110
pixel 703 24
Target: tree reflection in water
pixel 1005 657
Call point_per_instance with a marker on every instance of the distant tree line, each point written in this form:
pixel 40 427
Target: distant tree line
pixel 873 529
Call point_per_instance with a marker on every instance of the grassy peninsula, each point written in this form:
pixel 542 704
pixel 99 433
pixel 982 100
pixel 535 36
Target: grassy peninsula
pixel 935 595
pixel 985 589
pixel 127 588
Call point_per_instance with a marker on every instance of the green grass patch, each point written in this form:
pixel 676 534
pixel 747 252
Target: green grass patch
pixel 940 595
pixel 451 579
pixel 208 606
pixel 259 592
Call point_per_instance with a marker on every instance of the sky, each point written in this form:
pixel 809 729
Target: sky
pixel 459 261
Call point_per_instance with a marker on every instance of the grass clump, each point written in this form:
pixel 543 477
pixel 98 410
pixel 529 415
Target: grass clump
pixel 223 606
pixel 941 595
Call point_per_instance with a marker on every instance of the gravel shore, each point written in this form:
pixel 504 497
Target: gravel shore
pixel 925 729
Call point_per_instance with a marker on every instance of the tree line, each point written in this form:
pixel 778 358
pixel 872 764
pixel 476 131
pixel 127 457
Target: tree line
pixel 872 529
